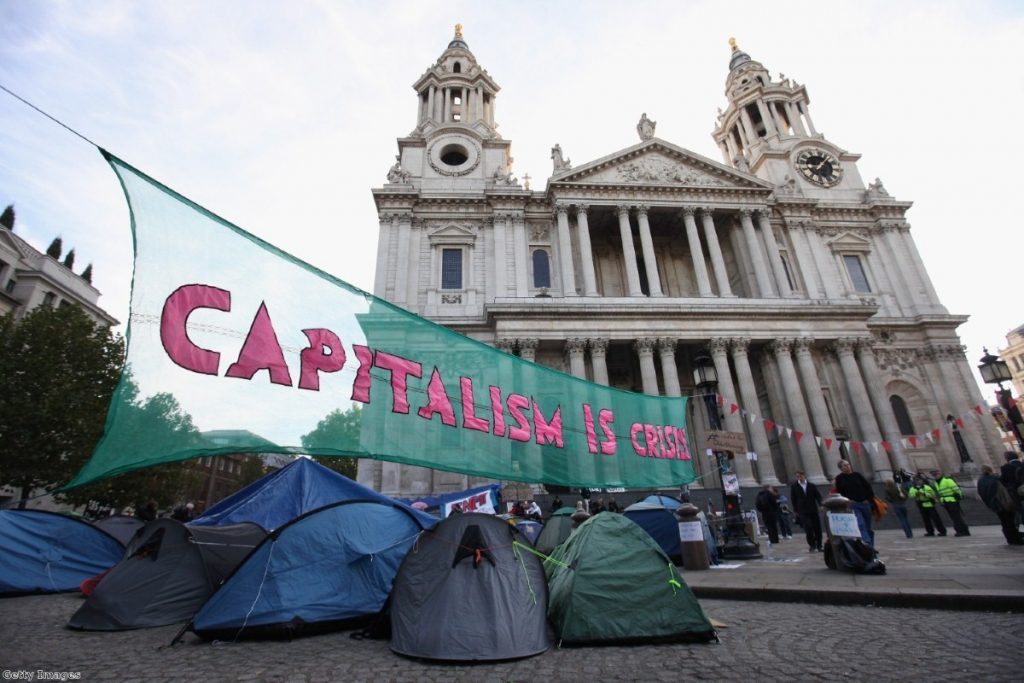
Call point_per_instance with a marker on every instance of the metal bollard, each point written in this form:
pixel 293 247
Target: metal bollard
pixel 691 538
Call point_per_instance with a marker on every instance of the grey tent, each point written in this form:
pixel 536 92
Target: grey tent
pixel 470 590
pixel 121 527
pixel 169 570
pixel 556 529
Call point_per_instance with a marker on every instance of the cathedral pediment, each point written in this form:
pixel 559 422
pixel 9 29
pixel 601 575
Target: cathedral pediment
pixel 656 162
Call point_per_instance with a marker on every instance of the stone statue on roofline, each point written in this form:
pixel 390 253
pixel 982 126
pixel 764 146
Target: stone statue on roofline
pixel 560 163
pixel 645 128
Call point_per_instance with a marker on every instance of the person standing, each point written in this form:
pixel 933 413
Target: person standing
pixel 854 486
pixel 988 489
pixel 767 503
pixel 785 530
pixel 926 498
pixel 1011 474
pixel 950 496
pixel 896 496
pixel 806 504
pixel 556 504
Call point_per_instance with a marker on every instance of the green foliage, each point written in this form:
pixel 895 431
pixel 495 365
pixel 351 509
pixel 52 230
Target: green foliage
pixel 55 248
pixel 58 370
pixel 340 430
pixel 252 469
pixel 7 218
pixel 69 260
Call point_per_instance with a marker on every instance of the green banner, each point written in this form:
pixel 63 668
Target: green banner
pixel 237 347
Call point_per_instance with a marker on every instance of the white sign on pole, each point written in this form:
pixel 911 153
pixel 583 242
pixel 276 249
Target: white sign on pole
pixel 844 524
pixel 691 531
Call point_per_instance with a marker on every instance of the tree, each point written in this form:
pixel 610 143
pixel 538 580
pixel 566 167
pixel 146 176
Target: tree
pixel 69 260
pixel 55 248
pixel 58 369
pixel 7 218
pixel 87 274
pixel 340 430
pixel 253 468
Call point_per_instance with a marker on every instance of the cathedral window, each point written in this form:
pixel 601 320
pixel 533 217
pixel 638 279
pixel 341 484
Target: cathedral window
pixel 451 269
pixel 899 409
pixel 855 268
pixel 49 299
pixel 789 273
pixel 457 69
pixel 541 269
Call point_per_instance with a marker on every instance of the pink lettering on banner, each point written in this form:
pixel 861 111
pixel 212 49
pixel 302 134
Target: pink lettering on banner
pixel 548 431
pixel 361 385
pixel 684 448
pixel 651 436
pixel 438 403
pixel 516 404
pixel 261 351
pixel 605 418
pixel 174 318
pixel 588 422
pixel 469 418
pixel 497 411
pixel 315 360
pixel 636 429
pixel 401 369
pixel 474 502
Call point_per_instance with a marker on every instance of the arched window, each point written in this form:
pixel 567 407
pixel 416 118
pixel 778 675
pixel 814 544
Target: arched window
pixel 457 68
pixel 899 409
pixel 541 269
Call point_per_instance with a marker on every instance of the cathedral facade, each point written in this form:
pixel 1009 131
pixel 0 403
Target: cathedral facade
pixel 779 267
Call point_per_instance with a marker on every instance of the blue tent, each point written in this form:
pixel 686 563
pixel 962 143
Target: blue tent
pixel 330 568
pixel 664 501
pixel 290 492
pixel 660 524
pixel 44 552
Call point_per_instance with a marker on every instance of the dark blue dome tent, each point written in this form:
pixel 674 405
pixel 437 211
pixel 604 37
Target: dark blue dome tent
pixel 46 552
pixel 331 568
pixel 660 524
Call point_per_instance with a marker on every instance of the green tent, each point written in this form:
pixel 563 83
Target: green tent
pixel 556 529
pixel 610 582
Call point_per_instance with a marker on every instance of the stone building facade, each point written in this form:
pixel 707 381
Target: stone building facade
pixel 801 282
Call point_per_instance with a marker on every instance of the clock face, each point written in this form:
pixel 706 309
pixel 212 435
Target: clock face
pixel 819 167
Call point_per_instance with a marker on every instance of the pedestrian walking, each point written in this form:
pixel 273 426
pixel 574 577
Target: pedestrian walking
pixel 950 496
pixel 998 499
pixel 785 530
pixel 854 486
pixel 927 499
pixel 806 504
pixel 896 496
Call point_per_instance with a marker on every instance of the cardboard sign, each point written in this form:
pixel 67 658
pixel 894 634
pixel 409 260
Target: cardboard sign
pixel 734 442
pixel 691 531
pixel 844 524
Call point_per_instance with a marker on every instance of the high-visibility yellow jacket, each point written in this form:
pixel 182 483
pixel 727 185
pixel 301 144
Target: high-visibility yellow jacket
pixel 949 491
pixel 924 495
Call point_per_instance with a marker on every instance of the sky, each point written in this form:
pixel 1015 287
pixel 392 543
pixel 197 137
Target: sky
pixel 280 117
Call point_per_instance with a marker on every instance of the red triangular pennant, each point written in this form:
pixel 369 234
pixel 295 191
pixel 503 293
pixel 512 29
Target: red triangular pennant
pixel 978 410
pixel 887 446
pixel 913 441
pixel 960 421
pixel 733 408
pixel 768 424
pixel 856 446
pixel 721 400
pixel 797 436
pixel 828 444
pixel 936 433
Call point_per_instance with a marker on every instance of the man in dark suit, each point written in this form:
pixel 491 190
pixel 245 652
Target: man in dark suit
pixel 806 500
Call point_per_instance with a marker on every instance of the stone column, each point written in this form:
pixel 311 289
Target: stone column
pixel 733 421
pixel 446 115
pixel 820 419
pixel 794 120
pixel 901 291
pixel 756 255
pixel 862 408
pixel 830 278
pixel 981 421
pixel 700 269
pixel 565 251
pixel 715 249
pixel 628 252
pixel 412 283
pixel 647 246
pixel 880 401
pixel 521 252
pixel 804 259
pixel 807 115
pixel 430 102
pixel 748 396
pixel 644 348
pixel 794 397
pixel 669 372
pixel 947 355
pixel 769 122
pixel 380 282
pixel 586 252
pixel 402 264
pixel 575 348
pixel 918 265
pixel 748 126
pixel 599 360
pixel 528 349
pixel 500 259
pixel 774 258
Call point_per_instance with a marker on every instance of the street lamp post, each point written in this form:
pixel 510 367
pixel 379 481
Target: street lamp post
pixel 994 370
pixel 738 545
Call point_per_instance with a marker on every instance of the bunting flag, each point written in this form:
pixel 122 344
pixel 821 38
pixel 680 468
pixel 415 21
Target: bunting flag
pixel 828 444
pixel 913 441
pixel 733 408
pixel 936 434
pixel 237 347
pixel 978 410
pixel 769 425
pixel 798 436
pixel 960 422
pixel 856 446
pixel 887 446
pixel 721 400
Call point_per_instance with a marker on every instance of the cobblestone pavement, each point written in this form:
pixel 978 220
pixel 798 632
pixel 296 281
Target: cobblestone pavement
pixel 759 642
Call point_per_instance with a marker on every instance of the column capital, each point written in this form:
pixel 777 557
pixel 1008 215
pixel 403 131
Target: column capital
pixel 582 209
pixel 718 345
pixel 746 212
pixel 598 346
pixel 622 209
pixel 641 210
pixel 644 346
pixel 575 346
pixel 706 211
pixel 866 345
pixel 739 345
pixel 687 211
pixel 844 345
pixel 561 209
pixel 763 211
pixel 506 345
pixel 667 345
pixel 527 344
pixel 781 346
pixel 803 345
